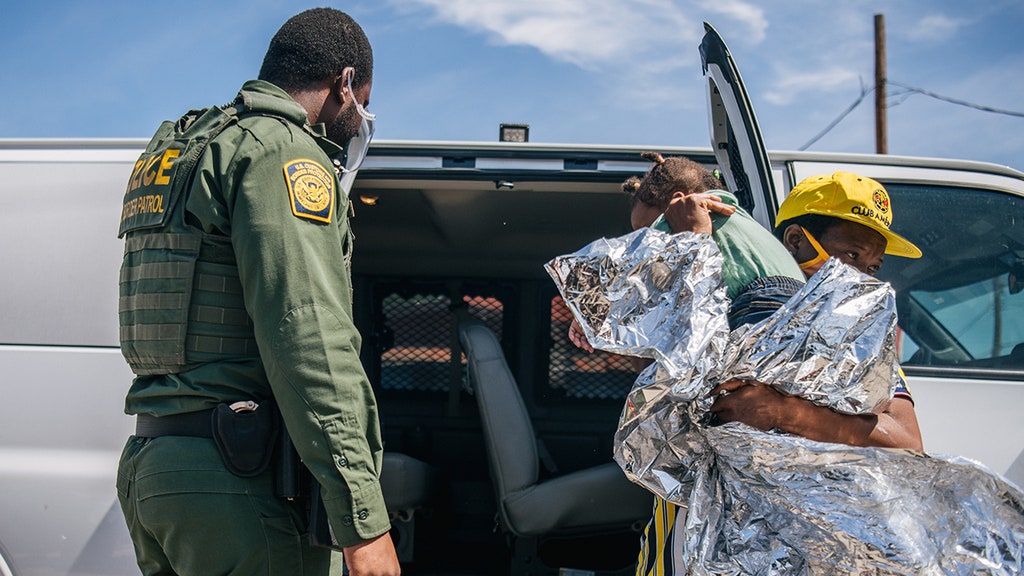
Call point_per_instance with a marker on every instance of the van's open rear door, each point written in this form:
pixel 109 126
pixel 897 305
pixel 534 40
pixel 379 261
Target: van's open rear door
pixel 735 135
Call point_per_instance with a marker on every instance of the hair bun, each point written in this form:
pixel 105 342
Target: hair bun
pixel 655 157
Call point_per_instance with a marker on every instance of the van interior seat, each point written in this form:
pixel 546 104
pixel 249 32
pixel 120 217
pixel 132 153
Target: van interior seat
pixel 595 500
pixel 407 485
pixel 406 482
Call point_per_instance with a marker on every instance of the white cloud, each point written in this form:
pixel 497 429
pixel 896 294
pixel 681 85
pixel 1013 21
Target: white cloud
pixel 746 13
pixel 588 34
pixel 792 86
pixel 935 27
pixel 642 48
pixel 596 34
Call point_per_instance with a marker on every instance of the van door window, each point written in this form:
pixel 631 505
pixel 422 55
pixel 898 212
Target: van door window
pixel 962 304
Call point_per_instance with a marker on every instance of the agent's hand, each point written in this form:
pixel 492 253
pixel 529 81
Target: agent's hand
pixel 761 406
pixel 577 336
pixel 375 557
pixel 749 402
pixel 692 212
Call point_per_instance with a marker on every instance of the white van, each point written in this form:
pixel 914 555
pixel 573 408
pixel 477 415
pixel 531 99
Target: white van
pixel 444 225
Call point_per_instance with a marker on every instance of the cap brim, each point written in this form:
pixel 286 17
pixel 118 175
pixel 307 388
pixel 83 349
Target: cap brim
pixel 897 245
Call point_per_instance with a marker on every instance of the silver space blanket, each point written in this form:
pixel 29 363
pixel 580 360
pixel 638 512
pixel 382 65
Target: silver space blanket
pixel 758 502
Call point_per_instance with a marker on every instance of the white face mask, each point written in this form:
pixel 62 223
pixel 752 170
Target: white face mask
pixel 355 150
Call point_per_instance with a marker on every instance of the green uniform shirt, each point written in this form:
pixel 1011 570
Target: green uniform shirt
pixel 748 249
pixel 261 183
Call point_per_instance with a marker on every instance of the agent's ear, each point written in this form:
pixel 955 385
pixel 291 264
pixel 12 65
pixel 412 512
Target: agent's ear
pixel 792 237
pixel 340 90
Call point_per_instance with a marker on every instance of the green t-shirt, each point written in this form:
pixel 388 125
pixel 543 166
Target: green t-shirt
pixel 749 250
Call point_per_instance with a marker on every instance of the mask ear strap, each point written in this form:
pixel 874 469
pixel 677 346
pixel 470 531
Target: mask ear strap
pixel 347 74
pixel 821 256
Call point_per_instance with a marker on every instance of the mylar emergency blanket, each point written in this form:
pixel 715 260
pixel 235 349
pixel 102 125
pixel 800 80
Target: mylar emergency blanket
pixel 759 502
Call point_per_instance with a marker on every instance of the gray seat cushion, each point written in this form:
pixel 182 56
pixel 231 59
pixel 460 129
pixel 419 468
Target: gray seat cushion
pixel 406 482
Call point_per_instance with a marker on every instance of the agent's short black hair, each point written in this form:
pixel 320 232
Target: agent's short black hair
pixel 314 46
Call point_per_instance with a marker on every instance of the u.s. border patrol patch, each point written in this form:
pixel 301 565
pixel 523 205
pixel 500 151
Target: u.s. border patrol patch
pixel 311 189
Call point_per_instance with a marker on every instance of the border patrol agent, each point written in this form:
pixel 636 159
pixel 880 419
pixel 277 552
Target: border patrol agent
pixel 236 316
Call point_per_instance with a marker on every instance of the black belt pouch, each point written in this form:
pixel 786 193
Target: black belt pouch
pixel 246 439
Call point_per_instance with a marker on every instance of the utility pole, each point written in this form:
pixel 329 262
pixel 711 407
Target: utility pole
pixel 881 138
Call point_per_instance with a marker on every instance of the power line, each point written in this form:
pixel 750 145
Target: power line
pixel 908 91
pixel 897 97
pixel 955 101
pixel 839 118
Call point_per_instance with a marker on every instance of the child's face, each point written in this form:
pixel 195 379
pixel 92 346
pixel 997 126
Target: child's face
pixel 852 243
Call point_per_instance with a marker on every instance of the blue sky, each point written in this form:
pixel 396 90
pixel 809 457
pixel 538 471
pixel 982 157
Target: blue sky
pixel 576 71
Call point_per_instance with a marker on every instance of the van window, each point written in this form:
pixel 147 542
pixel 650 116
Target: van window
pixel 414 334
pixel 960 305
pixel 983 316
pixel 421 348
pixel 576 374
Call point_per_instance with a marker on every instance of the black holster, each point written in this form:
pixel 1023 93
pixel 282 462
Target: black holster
pixel 246 439
pixel 320 532
pixel 293 481
pixel 291 478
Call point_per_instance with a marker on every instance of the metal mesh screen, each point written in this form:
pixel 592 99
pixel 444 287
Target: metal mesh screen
pixel 422 327
pixel 575 373
pixel 487 309
pixel 419 358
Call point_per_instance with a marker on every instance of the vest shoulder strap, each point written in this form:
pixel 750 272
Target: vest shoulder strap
pixel 167 165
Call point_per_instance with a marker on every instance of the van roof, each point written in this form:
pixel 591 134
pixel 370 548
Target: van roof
pixel 583 155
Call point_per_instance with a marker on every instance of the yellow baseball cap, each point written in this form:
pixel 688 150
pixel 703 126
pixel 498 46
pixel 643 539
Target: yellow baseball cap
pixel 850 197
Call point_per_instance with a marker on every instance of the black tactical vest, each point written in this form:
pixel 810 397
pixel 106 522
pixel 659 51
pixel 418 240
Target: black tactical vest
pixel 180 298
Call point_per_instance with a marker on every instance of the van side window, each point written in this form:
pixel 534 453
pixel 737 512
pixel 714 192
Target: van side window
pixel 983 318
pixel 961 304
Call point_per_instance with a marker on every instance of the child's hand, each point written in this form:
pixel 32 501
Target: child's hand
pixel 577 336
pixel 692 212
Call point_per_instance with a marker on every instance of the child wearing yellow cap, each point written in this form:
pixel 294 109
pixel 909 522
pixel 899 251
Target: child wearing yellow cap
pixel 842 215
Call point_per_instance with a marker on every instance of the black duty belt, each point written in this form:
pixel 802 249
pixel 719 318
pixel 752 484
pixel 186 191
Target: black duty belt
pixel 198 424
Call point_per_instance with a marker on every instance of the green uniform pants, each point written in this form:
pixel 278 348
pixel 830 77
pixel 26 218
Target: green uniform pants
pixel 189 516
